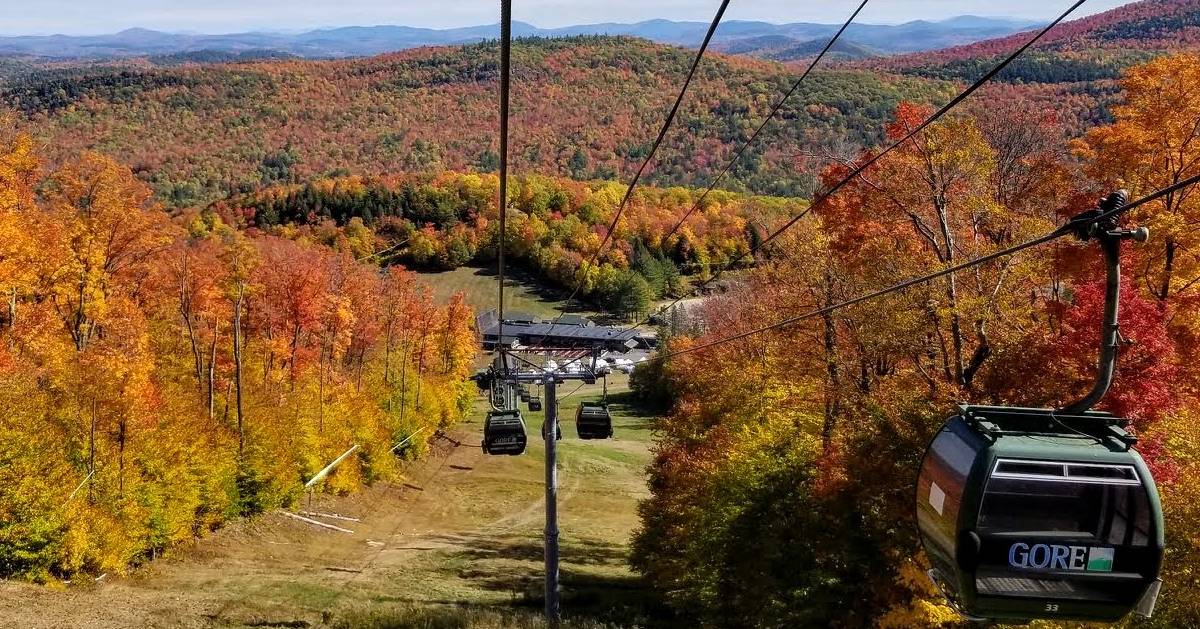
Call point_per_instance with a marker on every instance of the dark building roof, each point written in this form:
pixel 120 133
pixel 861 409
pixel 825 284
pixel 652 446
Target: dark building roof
pixel 558 334
pixel 559 331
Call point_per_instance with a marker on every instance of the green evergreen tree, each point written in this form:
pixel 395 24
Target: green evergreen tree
pixel 578 164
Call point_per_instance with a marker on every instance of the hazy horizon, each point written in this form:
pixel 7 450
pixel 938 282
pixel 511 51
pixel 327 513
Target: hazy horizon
pixel 327 27
pixel 92 17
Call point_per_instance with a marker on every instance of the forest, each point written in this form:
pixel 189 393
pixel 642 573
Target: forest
pixel 441 222
pixel 584 108
pixel 199 132
pixel 1156 26
pixel 783 486
pixel 162 375
pixel 1074 68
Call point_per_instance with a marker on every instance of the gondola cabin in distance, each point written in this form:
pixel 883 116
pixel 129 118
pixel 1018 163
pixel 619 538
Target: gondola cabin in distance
pixel 593 421
pixel 1029 513
pixel 504 433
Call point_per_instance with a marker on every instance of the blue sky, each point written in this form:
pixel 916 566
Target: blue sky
pixel 23 17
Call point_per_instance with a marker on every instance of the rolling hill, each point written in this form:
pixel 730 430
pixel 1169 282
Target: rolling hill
pixel 1074 69
pixel 1093 48
pixel 584 107
pixel 782 48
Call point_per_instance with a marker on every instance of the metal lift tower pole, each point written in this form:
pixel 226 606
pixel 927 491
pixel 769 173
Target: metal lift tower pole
pixel 511 376
pixel 551 546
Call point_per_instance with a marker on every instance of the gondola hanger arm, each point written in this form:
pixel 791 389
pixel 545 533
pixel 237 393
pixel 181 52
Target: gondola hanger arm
pixel 1101 224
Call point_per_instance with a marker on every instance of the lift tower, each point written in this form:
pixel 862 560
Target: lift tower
pixel 508 372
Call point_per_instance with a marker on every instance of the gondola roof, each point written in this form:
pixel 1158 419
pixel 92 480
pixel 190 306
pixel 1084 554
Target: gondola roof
pixel 1041 433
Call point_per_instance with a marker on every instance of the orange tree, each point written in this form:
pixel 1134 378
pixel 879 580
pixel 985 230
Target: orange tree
pixel 805 440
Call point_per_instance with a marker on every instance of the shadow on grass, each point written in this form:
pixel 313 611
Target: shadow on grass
pixel 626 406
pixel 522 548
pixel 594 582
pixel 520 277
pixel 423 615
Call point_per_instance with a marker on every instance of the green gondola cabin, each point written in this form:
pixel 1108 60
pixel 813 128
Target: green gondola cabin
pixel 1029 513
pixel 593 421
pixel 504 433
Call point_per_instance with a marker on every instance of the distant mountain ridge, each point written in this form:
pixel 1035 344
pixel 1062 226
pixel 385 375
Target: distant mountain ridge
pixel 1147 26
pixel 1089 52
pixel 359 41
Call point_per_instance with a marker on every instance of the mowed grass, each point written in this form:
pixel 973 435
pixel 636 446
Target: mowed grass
pixel 522 292
pixel 483 567
pixel 457 542
pixel 456 617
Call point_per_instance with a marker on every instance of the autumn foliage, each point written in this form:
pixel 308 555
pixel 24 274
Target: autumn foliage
pixel 584 108
pixel 555 226
pixel 160 377
pixel 782 486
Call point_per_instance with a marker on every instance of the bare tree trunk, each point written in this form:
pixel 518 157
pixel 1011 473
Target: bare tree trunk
pixel 947 257
pixel 936 323
pixel 189 322
pixel 764 376
pixel 929 381
pixel 77 330
pixel 833 385
pixel 404 380
pixel 122 426
pixel 982 351
pixel 1164 290
pixel 956 337
pixel 447 339
pixel 321 391
pixel 387 356
pixel 212 369
pixel 362 361
pixel 421 360
pixel 197 357
pixel 292 358
pixel 387 361
pixel 237 367
pixel 92 457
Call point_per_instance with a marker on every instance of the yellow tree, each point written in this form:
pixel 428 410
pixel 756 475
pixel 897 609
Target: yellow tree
pixel 240 259
pixel 1154 143
pixel 934 182
pixel 18 173
pixel 196 274
pixel 113 233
